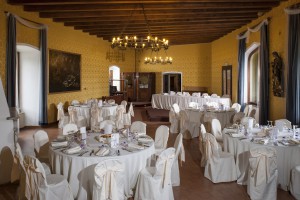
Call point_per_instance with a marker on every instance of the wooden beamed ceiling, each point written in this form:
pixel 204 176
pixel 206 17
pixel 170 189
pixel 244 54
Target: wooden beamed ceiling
pixel 181 22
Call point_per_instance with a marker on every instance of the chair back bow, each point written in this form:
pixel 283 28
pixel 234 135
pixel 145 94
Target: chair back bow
pixel 163 165
pixel 262 164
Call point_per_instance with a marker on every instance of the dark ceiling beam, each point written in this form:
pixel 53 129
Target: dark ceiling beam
pixel 50 2
pixel 156 19
pixel 149 14
pixel 160 6
pixel 151 25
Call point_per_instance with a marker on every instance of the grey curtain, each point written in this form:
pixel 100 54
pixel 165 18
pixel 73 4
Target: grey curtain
pixel 43 111
pixel 293 80
pixel 264 75
pixel 241 73
pixel 11 53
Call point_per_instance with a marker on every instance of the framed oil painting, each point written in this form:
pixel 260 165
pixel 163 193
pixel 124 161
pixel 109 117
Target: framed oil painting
pixel 64 71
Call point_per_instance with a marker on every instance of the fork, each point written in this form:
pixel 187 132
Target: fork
pixel 81 154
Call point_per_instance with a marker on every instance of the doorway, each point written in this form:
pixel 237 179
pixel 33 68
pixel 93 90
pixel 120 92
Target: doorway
pixel 28 83
pixel 172 82
pixel 114 80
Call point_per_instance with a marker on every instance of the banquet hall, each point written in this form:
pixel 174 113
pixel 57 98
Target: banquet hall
pixel 150 99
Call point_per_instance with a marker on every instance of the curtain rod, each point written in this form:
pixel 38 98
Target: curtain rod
pixel 6 12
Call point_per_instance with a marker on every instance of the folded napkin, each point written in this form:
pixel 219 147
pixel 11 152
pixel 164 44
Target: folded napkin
pixel 139 134
pixel 261 134
pixel 102 151
pixel 59 143
pixel 263 141
pixel 294 141
pixel 73 150
pixel 135 146
pixel 237 134
pixel 144 140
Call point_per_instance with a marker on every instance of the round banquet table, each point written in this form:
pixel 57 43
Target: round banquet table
pixel 287 157
pixel 79 170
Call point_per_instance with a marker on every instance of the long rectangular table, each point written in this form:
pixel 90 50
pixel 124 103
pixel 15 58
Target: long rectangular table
pixel 161 101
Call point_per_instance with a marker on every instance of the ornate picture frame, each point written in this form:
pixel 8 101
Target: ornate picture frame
pixel 64 71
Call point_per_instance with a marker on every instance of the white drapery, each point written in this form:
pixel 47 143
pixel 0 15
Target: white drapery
pixel 252 30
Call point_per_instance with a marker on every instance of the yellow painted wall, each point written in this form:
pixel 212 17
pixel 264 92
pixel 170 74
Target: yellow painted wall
pixel 94 66
pixel 193 61
pixel 224 50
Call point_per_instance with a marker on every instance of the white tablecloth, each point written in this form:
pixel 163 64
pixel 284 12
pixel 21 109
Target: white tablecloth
pixel 287 158
pixel 196 117
pixel 79 170
pixel 166 101
pixel 85 111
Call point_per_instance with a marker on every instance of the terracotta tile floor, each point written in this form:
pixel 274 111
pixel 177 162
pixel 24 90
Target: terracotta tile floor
pixel 193 184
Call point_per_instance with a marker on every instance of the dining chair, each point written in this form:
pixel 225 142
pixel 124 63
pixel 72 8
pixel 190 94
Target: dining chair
pixel 75 102
pixel 179 153
pixel 95 121
pixel 245 121
pixel 69 129
pixel 295 182
pixel 202 144
pixel 247 109
pixel 155 182
pixel 237 107
pixel 124 103
pixel 214 96
pixel 42 186
pixel 174 118
pixel 216 130
pixel 109 180
pixel 161 139
pixel 220 166
pixel 262 175
pixel 61 117
pixel 205 95
pixel 196 94
pixel 285 122
pixel 111 101
pixel 127 116
pixel 138 127
pixel 238 117
pixel 41 145
pixel 185 125
pixel 193 105
pixel 119 117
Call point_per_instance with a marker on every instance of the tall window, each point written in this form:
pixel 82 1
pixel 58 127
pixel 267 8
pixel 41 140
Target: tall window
pixel 252 74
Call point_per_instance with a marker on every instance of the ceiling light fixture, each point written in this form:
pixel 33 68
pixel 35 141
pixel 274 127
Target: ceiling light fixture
pixel 158 60
pixel 154 43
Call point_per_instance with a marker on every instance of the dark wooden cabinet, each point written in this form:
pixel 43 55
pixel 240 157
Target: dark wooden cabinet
pixel 139 85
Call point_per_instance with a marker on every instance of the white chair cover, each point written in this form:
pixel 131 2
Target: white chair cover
pixel 295 182
pixel 214 96
pixel 202 144
pixel 196 94
pixel 61 118
pixel 124 103
pixel 111 101
pixel 184 124
pixel 154 183
pixel 106 122
pixel 174 118
pixel 18 166
pixel 238 117
pixel 119 116
pixel 193 105
pixel 95 122
pixel 216 130
pixel 262 175
pixel 109 181
pixel 75 102
pixel 72 115
pixel 138 127
pixel 179 93
pixel 285 122
pixel 247 109
pixel 41 145
pixel 161 139
pixel 205 94
pixel 69 128
pixel 172 93
pixel 130 110
pixel 180 153
pixel 226 96
pixel 187 94
pixel 220 166
pixel 237 107
pixel 127 116
pixel 40 186
pixel 252 112
pixel 245 121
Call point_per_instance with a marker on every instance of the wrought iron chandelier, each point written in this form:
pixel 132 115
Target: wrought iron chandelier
pixel 150 42
pixel 158 60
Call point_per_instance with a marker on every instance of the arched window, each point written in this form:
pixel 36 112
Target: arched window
pixel 252 73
